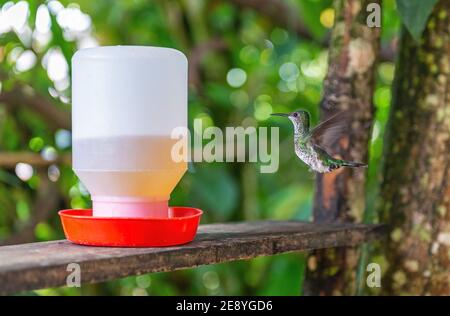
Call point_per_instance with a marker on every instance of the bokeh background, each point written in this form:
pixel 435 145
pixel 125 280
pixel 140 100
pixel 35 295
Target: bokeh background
pixel 247 60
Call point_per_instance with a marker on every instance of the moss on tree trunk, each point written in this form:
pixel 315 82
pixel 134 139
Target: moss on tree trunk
pixel 415 191
pixel 340 195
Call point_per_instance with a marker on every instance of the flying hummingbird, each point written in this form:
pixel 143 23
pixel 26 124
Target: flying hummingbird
pixel 308 141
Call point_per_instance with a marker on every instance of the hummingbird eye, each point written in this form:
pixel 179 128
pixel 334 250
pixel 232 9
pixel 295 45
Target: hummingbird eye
pixel 295 114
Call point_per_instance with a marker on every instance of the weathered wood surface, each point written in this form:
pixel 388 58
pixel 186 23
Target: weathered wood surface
pixel 40 265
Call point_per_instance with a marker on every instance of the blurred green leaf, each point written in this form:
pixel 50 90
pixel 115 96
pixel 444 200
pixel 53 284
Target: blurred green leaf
pixel 310 11
pixel 415 15
pixel 281 282
pixel 288 203
pixel 216 190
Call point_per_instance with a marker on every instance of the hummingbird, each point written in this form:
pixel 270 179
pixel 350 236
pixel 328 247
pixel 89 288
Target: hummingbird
pixel 309 141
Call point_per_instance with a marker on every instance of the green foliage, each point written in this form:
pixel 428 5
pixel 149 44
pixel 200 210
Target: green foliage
pixel 390 20
pixel 216 189
pixel 310 11
pixel 415 15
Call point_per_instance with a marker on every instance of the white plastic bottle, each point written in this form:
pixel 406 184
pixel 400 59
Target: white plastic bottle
pixel 126 102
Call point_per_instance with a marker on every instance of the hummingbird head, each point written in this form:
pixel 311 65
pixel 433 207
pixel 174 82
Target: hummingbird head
pixel 299 118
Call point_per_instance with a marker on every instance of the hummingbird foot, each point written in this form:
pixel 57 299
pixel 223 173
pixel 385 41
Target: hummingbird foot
pixel 334 166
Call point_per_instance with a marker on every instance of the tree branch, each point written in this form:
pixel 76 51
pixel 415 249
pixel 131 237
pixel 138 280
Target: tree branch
pixel 198 53
pixel 10 159
pixel 25 96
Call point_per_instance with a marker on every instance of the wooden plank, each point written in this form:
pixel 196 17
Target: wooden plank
pixel 40 265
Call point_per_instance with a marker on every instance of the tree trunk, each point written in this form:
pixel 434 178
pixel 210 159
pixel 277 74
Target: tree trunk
pixel 340 195
pixel 415 192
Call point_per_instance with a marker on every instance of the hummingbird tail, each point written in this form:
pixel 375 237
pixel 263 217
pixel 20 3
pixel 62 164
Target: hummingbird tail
pixel 352 164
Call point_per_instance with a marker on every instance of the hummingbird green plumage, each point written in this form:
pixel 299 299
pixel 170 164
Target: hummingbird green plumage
pixel 308 142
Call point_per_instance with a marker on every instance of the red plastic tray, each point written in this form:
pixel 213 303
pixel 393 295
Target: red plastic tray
pixel 82 228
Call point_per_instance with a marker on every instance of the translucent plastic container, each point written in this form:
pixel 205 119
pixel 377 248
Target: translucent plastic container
pixel 126 102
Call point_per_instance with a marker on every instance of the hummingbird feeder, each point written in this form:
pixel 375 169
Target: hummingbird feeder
pixel 126 101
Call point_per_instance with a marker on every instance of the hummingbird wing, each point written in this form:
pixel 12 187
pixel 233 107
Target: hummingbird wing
pixel 329 131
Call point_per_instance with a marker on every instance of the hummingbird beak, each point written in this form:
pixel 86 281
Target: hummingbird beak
pixel 280 114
